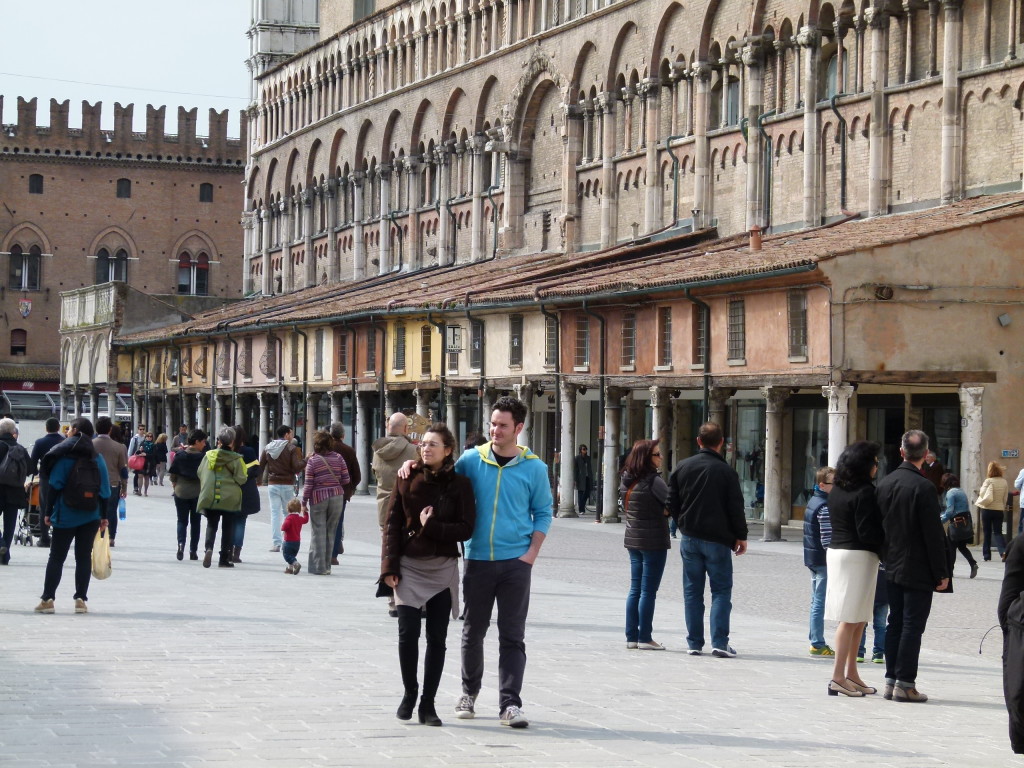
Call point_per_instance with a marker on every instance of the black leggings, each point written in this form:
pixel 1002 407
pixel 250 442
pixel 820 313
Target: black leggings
pixel 439 609
pixel 83 537
pixel 227 536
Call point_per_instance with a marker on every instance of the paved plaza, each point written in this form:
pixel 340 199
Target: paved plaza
pixel 181 666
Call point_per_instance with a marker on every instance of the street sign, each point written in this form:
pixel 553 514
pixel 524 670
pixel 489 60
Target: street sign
pixel 1011 453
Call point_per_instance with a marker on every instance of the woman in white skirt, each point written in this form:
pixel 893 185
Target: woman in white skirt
pixel 852 558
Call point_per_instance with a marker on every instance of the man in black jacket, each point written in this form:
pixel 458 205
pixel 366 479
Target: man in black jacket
pixel 916 563
pixel 42 446
pixel 704 496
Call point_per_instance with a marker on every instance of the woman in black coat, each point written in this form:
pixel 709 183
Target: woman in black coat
pixel 643 494
pixel 250 491
pixel 1011 620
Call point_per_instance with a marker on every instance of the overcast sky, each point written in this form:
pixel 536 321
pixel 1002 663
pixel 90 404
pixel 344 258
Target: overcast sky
pixel 188 53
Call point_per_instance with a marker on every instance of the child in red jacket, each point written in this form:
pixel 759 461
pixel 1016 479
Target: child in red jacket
pixel 292 527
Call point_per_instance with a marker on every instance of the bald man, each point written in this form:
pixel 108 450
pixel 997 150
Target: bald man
pixel 389 453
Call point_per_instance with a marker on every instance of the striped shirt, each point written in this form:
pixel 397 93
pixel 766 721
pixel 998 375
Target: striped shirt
pixel 326 476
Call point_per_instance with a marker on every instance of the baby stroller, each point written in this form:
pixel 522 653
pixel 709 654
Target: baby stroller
pixel 30 519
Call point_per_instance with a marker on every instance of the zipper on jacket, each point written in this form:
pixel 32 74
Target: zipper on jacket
pixel 494 512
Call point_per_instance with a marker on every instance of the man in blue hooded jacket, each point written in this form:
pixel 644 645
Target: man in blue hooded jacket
pixel 513 502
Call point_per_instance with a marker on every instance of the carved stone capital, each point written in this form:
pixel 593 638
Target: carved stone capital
pixel 775 398
pixel 752 55
pixel 808 37
pixel 701 70
pixel 838 396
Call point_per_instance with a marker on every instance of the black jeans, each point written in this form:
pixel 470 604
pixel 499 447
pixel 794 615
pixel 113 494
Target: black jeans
pixel 963 549
pixel 10 518
pixel 188 516
pixel 60 544
pixel 227 536
pixel 506 582
pixel 439 609
pixel 111 513
pixel 992 526
pixel 908 615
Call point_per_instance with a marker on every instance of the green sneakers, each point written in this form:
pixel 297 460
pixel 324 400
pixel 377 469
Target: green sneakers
pixel 823 651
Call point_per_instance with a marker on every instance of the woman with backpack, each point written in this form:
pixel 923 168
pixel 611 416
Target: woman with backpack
pixel 184 475
pixel 221 477
pixel 14 462
pixel 78 488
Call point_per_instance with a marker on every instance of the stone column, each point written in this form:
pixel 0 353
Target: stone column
pixel 248 246
pixel 609 193
pixel 265 399
pixel 203 405
pixel 525 393
pixel 972 462
pixel 717 404
pixel 951 170
pixel 360 422
pixel 384 174
pixel 312 407
pixel 838 396
pixel 411 257
pixel 150 410
pixel 111 403
pixel 287 273
pixel 287 412
pixel 610 460
pixel 809 40
pixel 443 168
pixel 216 416
pixel 265 284
pixel 650 98
pixel 136 409
pixel 773 501
pixel 328 190
pixel 752 57
pixel 487 404
pixel 238 406
pixel 359 246
pixel 702 171
pixel 422 402
pixel 660 402
pixel 479 187
pixel 308 201
pixel 168 415
pixel 572 143
pixel 878 23
pixel 337 405
pixel 567 450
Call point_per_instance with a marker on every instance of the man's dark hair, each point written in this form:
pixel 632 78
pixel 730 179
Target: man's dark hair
pixel 914 445
pixel 710 435
pixel 854 465
pixel 52 425
pixel 283 430
pixel 83 426
pixel 195 436
pixel 512 406
pixel 103 425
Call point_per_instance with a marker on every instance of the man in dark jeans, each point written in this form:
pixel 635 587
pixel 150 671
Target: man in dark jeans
pixel 916 564
pixel 705 497
pixel 41 447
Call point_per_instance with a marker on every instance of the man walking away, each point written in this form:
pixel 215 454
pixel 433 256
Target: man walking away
pixel 116 458
pixel 704 496
pixel 916 564
pixel 281 461
pixel 40 448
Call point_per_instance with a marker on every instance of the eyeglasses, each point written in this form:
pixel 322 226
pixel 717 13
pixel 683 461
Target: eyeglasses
pixel 425 444
pixel 657 455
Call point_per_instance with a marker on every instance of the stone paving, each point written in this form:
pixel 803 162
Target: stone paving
pixel 180 666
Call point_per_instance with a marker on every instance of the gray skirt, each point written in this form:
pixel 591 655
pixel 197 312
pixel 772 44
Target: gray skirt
pixel 424 577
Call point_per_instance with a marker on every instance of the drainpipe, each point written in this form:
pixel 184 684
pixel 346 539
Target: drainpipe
pixel 841 139
pixel 705 348
pixel 558 389
pixel 305 385
pixel 442 409
pixel 234 375
pixel 494 220
pixel 675 176
pixel 398 230
pixel 211 422
pixel 454 244
pixel 483 366
pixel 601 408
pixel 767 196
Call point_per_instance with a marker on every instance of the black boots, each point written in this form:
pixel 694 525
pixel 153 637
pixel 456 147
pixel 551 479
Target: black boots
pixel 427 713
pixel 236 554
pixel 408 702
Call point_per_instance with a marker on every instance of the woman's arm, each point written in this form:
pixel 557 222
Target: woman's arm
pixel 463 505
pixel 391 539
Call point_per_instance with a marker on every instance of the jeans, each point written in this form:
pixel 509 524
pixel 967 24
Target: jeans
pixel 60 544
pixel 227 536
pixel 290 550
pixel 10 518
pixel 280 495
pixel 582 495
pixel 878 620
pixel 645 569
pixel 963 549
pixel 323 522
pixel 188 516
pixel 507 583
pixel 111 512
pixel 339 536
pixel 819 583
pixel 438 611
pixel 908 615
pixel 992 525
pixel 712 560
pixel 239 538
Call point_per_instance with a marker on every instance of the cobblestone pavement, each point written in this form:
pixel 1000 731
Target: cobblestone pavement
pixel 180 666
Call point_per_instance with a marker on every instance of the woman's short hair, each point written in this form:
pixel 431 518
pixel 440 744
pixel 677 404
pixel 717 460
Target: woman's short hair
pixel 322 441
pixel 949 480
pixel 226 437
pixel 640 460
pixel 995 469
pixel 855 463
pixel 440 429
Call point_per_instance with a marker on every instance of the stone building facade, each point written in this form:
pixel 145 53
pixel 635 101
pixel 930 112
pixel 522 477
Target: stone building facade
pixel 446 201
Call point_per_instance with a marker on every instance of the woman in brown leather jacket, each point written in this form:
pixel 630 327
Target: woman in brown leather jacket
pixel 429 514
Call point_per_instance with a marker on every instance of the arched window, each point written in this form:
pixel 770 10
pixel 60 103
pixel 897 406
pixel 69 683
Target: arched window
pixel 832 76
pixel 193 274
pixel 35 184
pixel 124 187
pixel 19 342
pixel 206 193
pixel 110 269
pixel 23 273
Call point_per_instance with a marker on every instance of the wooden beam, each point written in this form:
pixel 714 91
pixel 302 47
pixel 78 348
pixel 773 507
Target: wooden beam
pixel 919 377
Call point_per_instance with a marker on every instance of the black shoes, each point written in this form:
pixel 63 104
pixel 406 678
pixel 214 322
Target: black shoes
pixel 427 713
pixel 208 558
pixel 408 702
pixel 181 552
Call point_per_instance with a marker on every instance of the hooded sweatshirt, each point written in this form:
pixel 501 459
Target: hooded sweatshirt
pixel 389 453
pixel 282 461
pixel 221 477
pixel 512 502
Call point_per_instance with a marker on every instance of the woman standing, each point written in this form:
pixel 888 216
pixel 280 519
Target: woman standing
pixel 956 505
pixel 852 558
pixel 643 494
pixel 160 458
pixel 323 495
pixel 221 477
pixel 145 450
pixel 992 501
pixel 250 491
pixel 429 514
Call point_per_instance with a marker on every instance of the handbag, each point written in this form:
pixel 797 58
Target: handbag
pixel 961 529
pixel 101 566
pixel 137 462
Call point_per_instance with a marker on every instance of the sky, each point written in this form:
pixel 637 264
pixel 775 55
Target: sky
pixel 188 53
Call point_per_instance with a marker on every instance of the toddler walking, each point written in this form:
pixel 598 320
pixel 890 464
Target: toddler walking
pixel 292 528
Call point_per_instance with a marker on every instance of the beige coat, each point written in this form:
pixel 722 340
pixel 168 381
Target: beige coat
pixel 389 454
pixel 992 494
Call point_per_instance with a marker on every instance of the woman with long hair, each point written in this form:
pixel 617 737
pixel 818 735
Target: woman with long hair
pixel 429 513
pixel 852 558
pixel 643 494
pixel 956 506
pixel 992 501
pixel 323 495
pixel 160 458
pixel 250 490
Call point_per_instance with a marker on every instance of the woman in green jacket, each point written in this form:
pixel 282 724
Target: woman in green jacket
pixel 221 477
